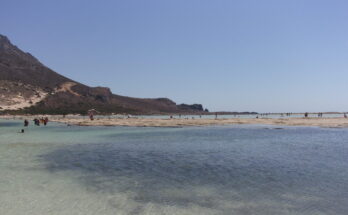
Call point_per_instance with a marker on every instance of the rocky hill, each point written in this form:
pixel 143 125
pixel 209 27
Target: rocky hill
pixel 28 86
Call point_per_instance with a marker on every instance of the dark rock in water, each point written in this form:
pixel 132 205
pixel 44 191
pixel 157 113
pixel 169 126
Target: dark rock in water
pixel 48 92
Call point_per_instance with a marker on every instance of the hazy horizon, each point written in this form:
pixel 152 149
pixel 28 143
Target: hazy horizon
pixel 269 56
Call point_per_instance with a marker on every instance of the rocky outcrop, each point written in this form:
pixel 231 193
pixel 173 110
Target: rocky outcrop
pixel 194 107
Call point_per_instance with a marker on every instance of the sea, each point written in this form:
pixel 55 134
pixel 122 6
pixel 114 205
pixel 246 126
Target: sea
pixel 230 170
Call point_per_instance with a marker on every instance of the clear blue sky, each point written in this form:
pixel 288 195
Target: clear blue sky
pixel 266 56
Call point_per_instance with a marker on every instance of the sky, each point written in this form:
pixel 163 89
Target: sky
pixel 229 55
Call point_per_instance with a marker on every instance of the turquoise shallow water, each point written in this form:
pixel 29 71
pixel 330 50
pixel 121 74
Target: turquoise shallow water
pixel 244 170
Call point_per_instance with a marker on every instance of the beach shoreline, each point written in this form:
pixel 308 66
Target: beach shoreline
pixel 332 122
pixel 151 122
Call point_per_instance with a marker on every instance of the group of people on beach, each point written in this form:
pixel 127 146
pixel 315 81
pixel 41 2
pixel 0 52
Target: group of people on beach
pixel 320 115
pixel 172 117
pixel 286 114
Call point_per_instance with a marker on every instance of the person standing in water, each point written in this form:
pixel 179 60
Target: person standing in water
pixel 26 123
pixel 37 122
pixel 45 121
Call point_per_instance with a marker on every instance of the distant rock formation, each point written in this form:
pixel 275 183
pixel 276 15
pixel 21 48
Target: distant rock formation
pixel 196 107
pixel 28 86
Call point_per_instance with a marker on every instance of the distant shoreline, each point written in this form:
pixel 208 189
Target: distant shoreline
pixel 332 122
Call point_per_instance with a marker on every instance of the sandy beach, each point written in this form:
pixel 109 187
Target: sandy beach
pixel 320 122
pixel 183 122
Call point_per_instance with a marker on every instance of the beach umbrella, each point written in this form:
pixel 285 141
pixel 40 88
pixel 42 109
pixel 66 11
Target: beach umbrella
pixel 92 111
